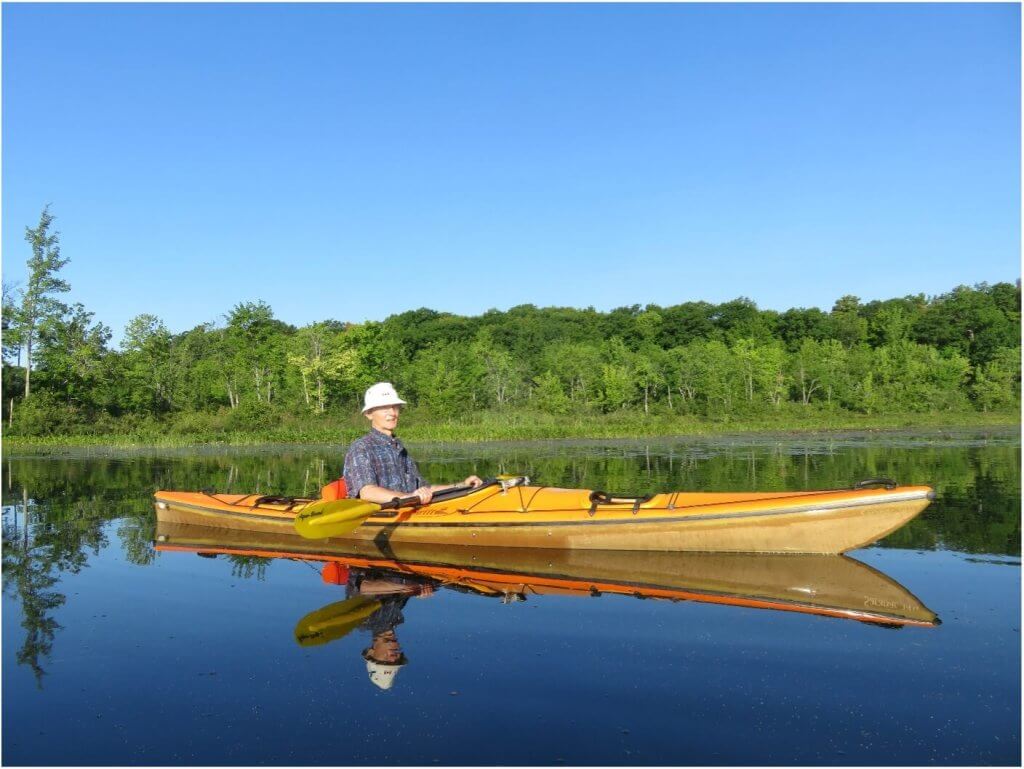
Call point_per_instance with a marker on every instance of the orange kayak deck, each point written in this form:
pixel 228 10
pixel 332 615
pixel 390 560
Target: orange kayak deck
pixel 831 521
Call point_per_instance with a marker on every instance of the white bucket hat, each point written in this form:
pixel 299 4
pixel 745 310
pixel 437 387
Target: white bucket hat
pixel 382 675
pixel 381 394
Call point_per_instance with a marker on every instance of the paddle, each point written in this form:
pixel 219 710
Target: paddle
pixel 338 517
pixel 334 620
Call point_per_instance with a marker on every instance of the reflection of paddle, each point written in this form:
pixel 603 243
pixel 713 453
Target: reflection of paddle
pixel 338 517
pixel 334 620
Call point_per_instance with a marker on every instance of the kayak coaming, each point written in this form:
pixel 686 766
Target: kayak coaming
pixel 830 521
pixel 825 585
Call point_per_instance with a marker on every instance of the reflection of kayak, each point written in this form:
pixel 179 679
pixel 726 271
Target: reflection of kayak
pixel 830 585
pixel 506 515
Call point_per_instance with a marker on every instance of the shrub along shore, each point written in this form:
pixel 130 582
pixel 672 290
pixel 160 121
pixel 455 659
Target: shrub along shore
pixel 508 426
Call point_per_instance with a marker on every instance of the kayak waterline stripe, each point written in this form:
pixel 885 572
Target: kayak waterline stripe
pixel 614 587
pixel 590 521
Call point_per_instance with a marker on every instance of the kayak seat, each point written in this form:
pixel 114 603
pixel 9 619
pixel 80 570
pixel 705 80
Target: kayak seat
pixel 334 490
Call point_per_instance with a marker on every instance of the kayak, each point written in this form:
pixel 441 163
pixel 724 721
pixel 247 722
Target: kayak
pixel 512 513
pixel 824 585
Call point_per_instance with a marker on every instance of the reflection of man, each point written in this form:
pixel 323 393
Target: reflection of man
pixel 384 657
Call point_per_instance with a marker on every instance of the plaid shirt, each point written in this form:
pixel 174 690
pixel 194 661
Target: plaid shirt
pixel 389 615
pixel 380 460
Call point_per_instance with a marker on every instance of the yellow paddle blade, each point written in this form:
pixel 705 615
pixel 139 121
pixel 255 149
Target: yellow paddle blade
pixel 333 518
pixel 334 620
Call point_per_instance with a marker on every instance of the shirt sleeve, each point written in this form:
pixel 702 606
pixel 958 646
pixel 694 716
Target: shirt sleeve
pixel 358 470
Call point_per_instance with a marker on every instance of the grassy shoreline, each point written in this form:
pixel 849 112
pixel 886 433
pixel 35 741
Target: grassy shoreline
pixel 524 426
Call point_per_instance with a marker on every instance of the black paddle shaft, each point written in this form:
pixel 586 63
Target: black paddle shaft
pixel 400 502
pixel 454 491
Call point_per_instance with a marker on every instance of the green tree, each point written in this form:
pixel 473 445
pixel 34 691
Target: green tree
pixel 798 324
pixel 549 395
pixel 745 353
pixel 649 366
pixel 203 375
pixel 381 356
pixel 720 383
pixel 440 379
pixel 846 323
pixel 916 377
pixel 38 303
pixel 682 374
pixel 889 325
pixel 818 370
pixel 770 373
pixel 71 355
pixel 324 361
pixel 970 322
pixel 997 382
pixel 501 376
pixel 254 340
pixel 741 319
pixel 804 370
pixel 11 337
pixel 617 386
pixel 578 366
pixel 648 325
pixel 685 323
pixel 618 375
pixel 147 364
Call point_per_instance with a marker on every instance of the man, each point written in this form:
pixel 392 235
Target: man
pixel 377 466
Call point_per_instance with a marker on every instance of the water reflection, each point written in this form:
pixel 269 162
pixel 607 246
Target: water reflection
pixel 374 601
pixel 977 482
pixel 377 584
pixel 60 513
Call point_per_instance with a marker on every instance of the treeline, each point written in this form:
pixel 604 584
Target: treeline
pixel 959 351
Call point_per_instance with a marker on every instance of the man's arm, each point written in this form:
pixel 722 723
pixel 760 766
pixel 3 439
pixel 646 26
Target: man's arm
pixel 381 496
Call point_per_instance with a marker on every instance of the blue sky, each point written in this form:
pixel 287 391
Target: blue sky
pixel 353 161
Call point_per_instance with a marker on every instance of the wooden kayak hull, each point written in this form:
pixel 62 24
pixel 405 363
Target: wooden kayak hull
pixel 565 519
pixel 828 585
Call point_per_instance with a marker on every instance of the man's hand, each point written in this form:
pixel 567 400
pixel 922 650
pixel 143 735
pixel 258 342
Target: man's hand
pixel 425 494
pixel 473 481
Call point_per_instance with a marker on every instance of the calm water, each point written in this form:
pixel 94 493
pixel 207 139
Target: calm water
pixel 118 650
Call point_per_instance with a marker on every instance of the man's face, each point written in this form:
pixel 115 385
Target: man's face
pixel 385 647
pixel 384 418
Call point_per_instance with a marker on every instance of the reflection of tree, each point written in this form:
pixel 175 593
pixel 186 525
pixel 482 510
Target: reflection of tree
pixel 27 575
pixel 36 601
pixel 50 541
pixel 249 566
pixel 136 535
